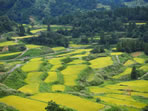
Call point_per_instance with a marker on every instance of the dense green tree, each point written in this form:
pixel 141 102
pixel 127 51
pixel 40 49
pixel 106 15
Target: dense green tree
pixel 52 106
pixel 21 30
pixel 48 28
pixel 134 73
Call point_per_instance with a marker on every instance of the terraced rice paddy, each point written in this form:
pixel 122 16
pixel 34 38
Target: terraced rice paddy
pixel 101 62
pixel 116 53
pixel 52 77
pixel 119 102
pixel 56 61
pixel 137 85
pixel 33 81
pixel 10 54
pixel 70 101
pixel 32 88
pixel 58 48
pixel 126 72
pixel 31 46
pixel 71 73
pixel 24 104
pixel 8 43
pixel 37 30
pixel 58 88
pixel 129 62
pixel 99 90
pixel 32 65
pixel 77 46
pixel 24 37
pixel 139 60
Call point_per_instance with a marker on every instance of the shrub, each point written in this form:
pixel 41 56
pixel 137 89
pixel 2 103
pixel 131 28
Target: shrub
pixel 52 106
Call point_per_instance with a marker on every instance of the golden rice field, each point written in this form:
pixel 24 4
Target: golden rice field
pixel 58 87
pixel 137 85
pixel 139 60
pixel 116 53
pixel 24 37
pixel 8 43
pixel 81 55
pixel 37 30
pixel 77 61
pixel 126 72
pixel 52 77
pixel 31 88
pixel 31 46
pixel 33 77
pixel 23 104
pixel 129 62
pixel 56 61
pixel 31 66
pixel 144 67
pixel 58 48
pixel 77 45
pixel 70 101
pixel 71 73
pixel 55 67
pixel 103 90
pixel 10 54
pixel 101 62
pixel 119 102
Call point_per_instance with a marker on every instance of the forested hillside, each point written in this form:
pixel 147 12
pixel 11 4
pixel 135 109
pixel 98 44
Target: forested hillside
pixel 73 55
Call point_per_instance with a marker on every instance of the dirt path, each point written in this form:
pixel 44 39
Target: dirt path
pixel 15 67
pixel 117 57
pixel 22 53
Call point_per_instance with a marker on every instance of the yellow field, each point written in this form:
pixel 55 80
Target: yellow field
pixel 33 77
pixel 32 88
pixel 52 77
pixel 33 80
pixel 126 72
pixel 56 61
pixel 77 61
pixel 129 62
pixel 121 97
pixel 58 88
pixel 70 101
pixel 23 37
pixel 55 67
pixel 101 62
pixel 23 104
pixel 37 30
pixel 139 60
pixel 77 46
pixel 81 55
pixel 31 46
pixel 140 23
pixel 8 43
pixel 144 67
pixel 31 66
pixel 119 102
pixel 140 94
pixel 71 74
pixel 116 53
pixel 10 54
pixel 100 90
pixel 58 48
pixel 137 85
